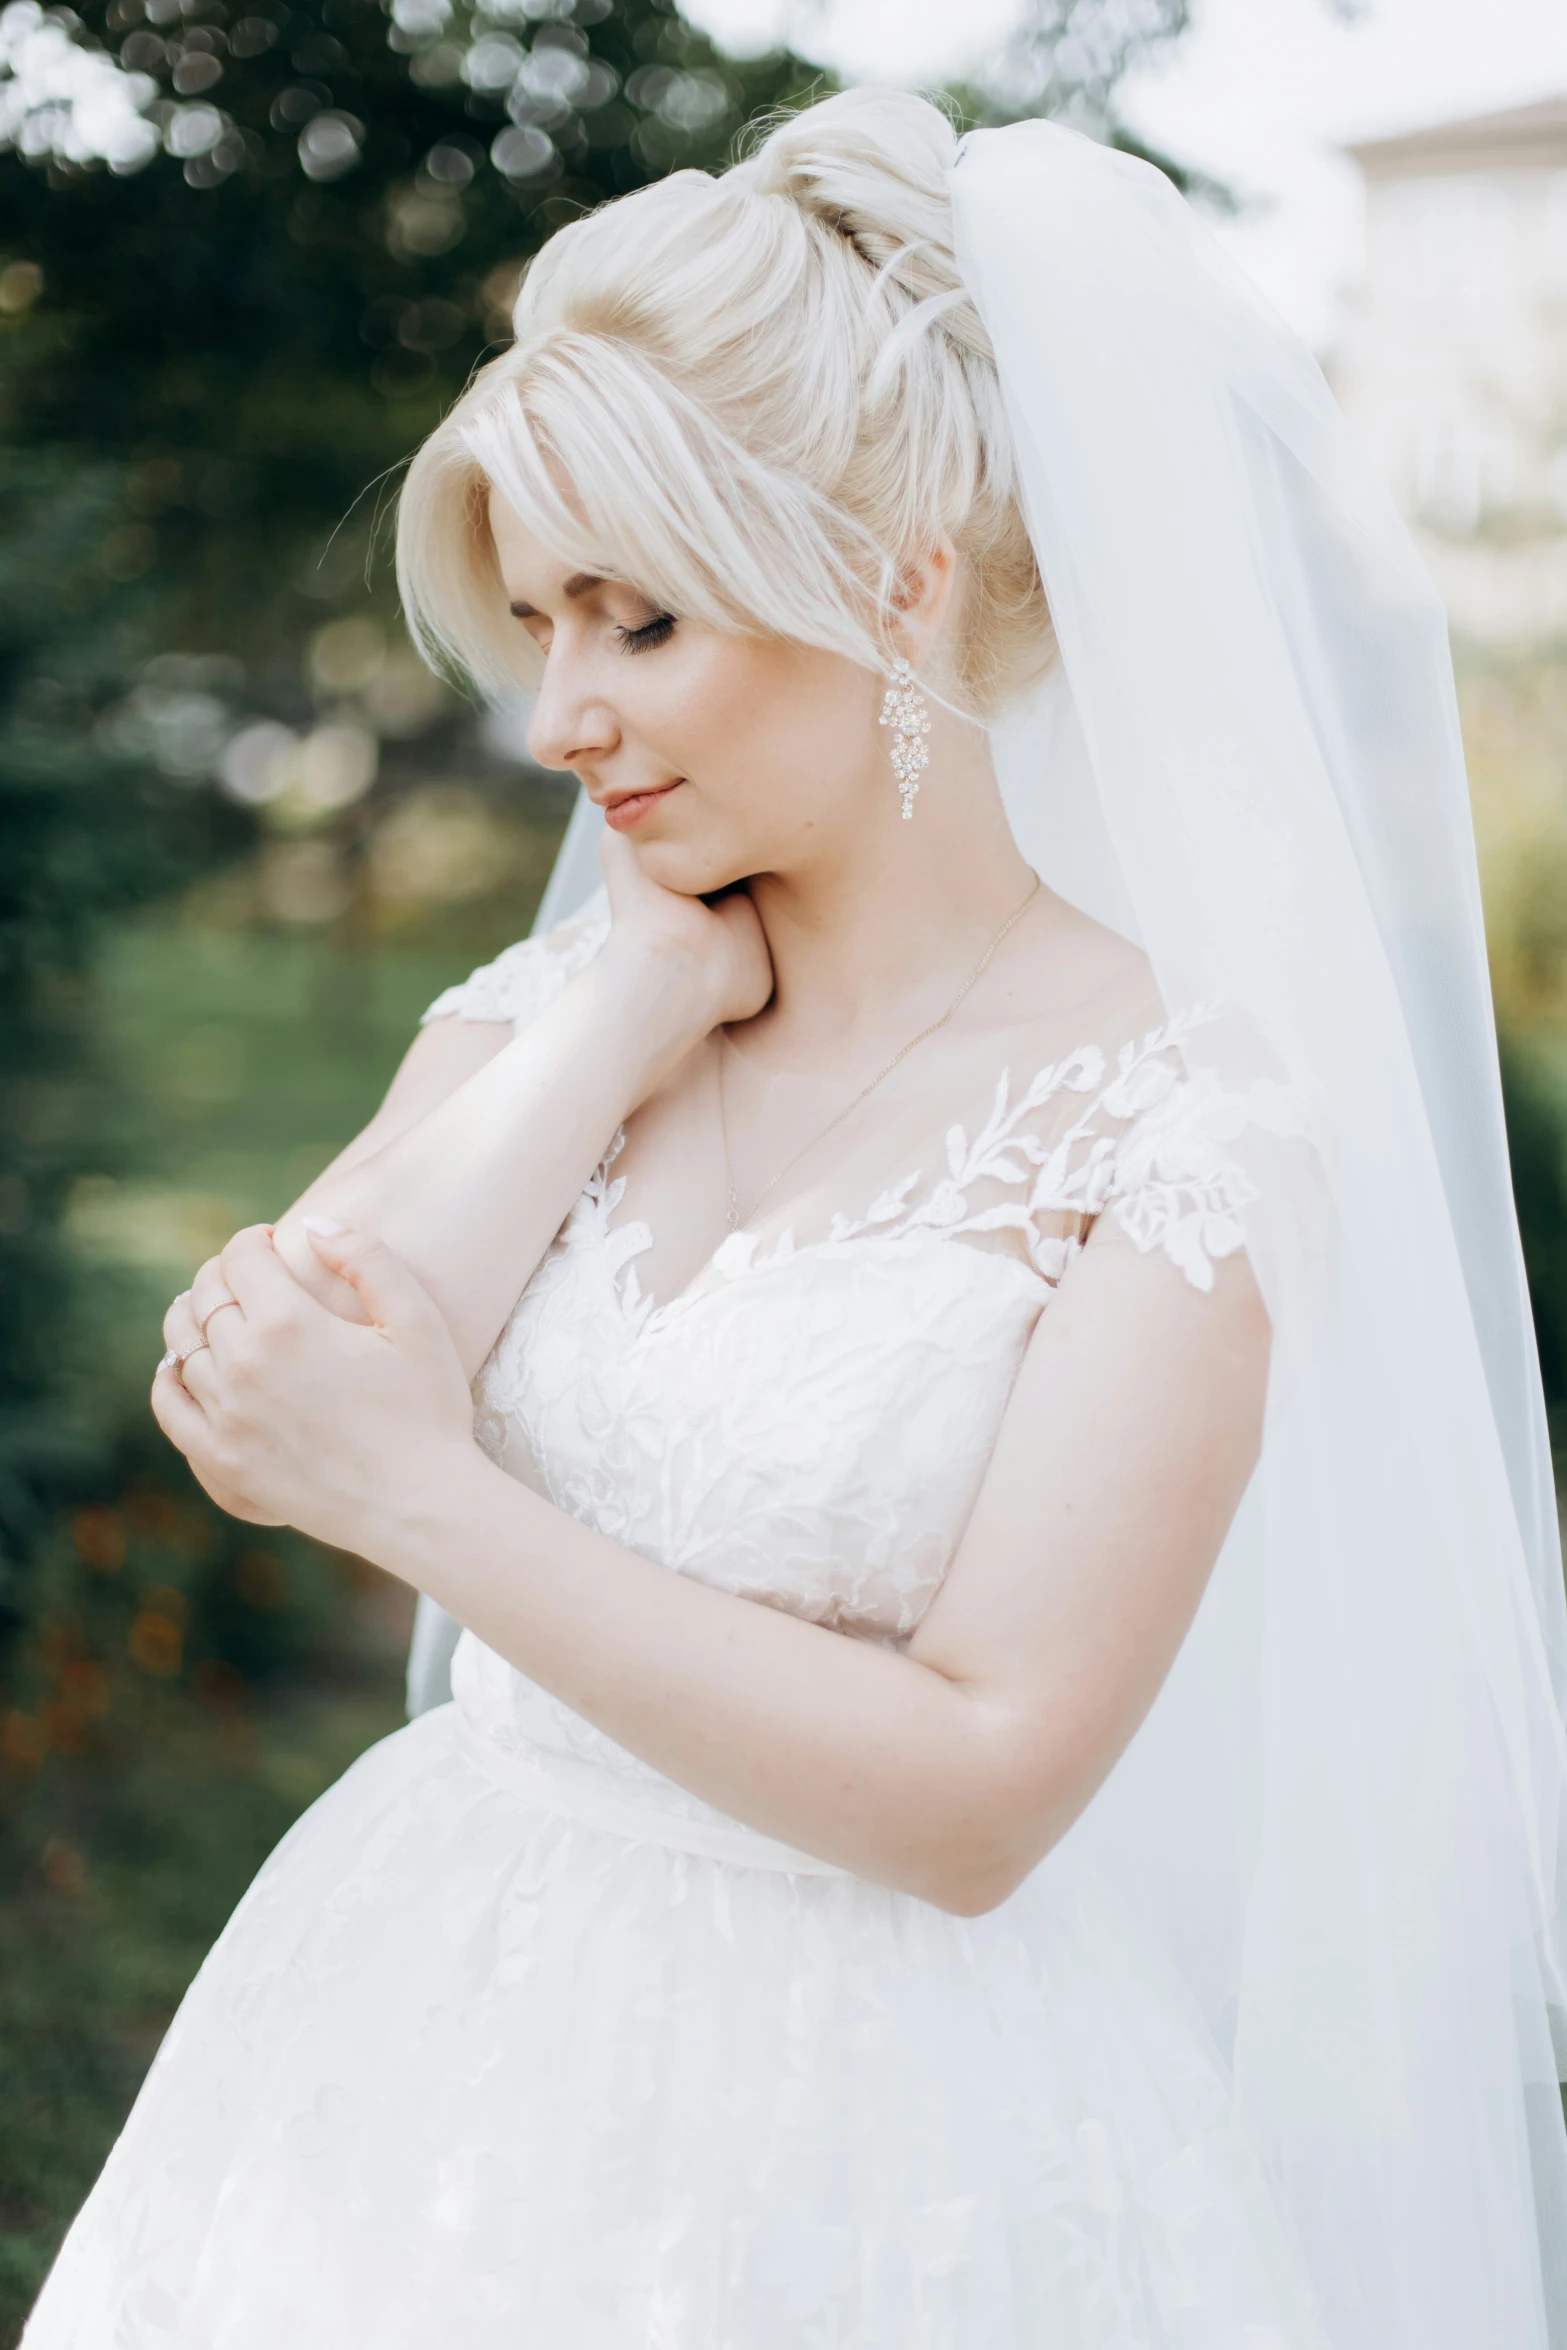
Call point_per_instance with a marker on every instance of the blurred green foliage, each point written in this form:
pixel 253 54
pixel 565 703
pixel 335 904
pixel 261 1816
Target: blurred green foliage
pixel 1534 1086
pixel 1514 706
pixel 83 833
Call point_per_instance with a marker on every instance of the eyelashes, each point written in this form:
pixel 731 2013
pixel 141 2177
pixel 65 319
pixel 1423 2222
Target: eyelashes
pixel 643 640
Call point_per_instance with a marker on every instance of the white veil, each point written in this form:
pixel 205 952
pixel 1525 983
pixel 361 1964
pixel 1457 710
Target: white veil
pixel 1345 1812
pixel 1344 1816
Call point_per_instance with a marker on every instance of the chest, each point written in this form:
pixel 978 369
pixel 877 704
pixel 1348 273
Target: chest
pixel 809 1428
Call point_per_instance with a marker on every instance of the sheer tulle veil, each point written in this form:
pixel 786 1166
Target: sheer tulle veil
pixel 1344 1816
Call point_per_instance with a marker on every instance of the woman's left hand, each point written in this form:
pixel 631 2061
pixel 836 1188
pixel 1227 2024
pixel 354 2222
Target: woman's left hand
pixel 307 1420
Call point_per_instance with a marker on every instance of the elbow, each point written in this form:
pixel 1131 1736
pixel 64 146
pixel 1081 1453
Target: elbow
pixel 969 1876
pixel 977 1809
pixel 996 1815
pixel 970 1901
pixel 971 1893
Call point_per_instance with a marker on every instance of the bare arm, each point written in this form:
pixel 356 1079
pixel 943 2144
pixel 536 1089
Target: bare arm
pixel 441 1058
pixel 471 1188
pixel 947 1770
pixel 486 1138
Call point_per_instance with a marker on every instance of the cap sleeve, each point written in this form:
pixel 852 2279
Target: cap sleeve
pixel 1172 1178
pixel 521 981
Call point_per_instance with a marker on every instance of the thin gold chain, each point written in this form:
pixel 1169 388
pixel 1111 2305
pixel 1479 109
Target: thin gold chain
pixel 724 1046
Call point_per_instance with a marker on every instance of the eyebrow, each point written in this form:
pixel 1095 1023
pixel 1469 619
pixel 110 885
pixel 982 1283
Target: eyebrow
pixel 579 584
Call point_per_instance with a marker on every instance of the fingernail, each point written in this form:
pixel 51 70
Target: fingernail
pixel 325 1225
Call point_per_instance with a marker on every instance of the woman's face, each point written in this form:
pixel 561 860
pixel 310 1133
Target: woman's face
pixel 718 756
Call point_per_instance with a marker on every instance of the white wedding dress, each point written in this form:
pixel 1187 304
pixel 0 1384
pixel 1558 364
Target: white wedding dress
pixel 514 2045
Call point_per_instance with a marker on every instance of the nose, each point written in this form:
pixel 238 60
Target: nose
pixel 570 726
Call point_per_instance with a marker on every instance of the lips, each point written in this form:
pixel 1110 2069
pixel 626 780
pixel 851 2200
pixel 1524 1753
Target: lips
pixel 625 810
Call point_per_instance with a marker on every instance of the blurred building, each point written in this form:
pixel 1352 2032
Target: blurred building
pixel 1453 361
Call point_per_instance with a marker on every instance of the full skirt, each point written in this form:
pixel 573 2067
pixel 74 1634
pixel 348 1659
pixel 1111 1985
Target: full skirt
pixel 466 2073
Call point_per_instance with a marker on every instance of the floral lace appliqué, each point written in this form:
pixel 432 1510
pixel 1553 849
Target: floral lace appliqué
pixel 1148 1144
pixel 1160 1166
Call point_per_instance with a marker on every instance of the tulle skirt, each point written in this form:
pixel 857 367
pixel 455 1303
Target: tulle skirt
pixel 468 2071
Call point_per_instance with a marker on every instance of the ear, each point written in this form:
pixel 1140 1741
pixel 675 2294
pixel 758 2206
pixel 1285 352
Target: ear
pixel 926 600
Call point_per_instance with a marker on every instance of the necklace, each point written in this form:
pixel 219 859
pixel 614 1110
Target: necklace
pixel 724 1045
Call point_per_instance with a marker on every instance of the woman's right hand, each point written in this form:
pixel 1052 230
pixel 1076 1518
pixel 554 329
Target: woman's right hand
pixel 714 955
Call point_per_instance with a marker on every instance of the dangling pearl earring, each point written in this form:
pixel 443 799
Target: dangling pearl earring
pixel 904 710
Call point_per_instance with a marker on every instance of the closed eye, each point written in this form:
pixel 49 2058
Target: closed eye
pixel 653 632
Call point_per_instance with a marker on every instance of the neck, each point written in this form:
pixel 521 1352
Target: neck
pixel 891 915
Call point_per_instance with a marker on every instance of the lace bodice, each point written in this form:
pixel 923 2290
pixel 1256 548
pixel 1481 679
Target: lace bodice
pixel 808 1424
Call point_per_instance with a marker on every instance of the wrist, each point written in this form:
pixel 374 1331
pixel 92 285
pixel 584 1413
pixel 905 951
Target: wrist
pixel 424 1523
pixel 656 1000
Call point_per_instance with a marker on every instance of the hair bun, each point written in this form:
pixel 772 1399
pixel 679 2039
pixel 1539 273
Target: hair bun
pixel 871 165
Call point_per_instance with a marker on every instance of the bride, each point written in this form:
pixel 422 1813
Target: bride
pixel 956 1343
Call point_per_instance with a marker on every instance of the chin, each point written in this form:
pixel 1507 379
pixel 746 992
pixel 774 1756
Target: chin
pixel 690 869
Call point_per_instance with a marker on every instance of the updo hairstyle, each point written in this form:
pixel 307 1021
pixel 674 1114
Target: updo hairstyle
pixel 761 399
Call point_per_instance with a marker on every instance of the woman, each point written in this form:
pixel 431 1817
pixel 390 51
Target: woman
pixel 1005 1772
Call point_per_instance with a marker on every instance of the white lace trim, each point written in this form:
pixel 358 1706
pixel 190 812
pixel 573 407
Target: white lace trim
pixel 1166 1179
pixel 1165 1175
pixel 1160 1168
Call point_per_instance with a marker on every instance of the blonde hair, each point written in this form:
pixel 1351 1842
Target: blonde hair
pixel 761 398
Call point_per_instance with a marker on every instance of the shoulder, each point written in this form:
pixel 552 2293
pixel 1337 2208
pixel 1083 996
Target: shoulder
pixel 1162 1107
pixel 518 984
pixel 1188 1127
pixel 1078 982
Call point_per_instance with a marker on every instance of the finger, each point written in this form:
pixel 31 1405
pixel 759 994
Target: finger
pixel 176 1410
pixel 179 1323
pixel 261 1283
pixel 182 1337
pixel 210 1292
pixel 616 856
pixel 223 1321
pixel 197 1373
pixel 395 1300
pixel 181 1332
pixel 624 878
pixel 185 1426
